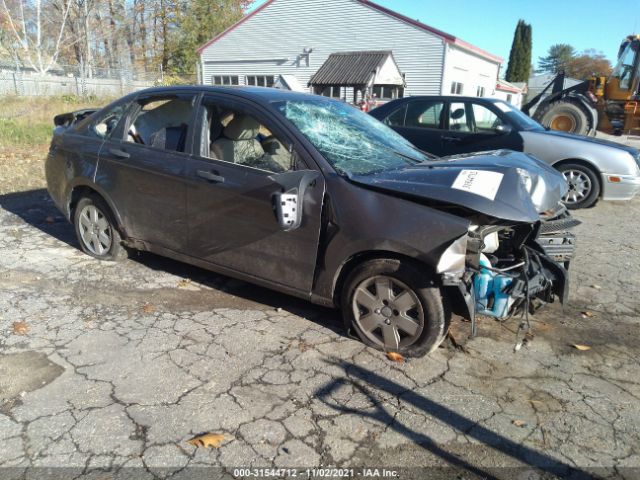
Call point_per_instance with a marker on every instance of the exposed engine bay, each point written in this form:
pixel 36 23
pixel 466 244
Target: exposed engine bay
pixel 512 269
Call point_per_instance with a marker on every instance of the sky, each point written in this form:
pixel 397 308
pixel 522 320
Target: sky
pixel 489 24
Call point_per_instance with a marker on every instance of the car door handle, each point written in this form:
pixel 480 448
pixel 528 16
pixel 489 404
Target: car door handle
pixel 119 153
pixel 211 176
pixel 451 139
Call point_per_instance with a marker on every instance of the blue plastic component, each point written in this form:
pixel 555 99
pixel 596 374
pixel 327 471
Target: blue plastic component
pixel 489 287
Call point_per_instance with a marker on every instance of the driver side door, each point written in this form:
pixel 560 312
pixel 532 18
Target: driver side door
pixel 243 157
pixel 471 127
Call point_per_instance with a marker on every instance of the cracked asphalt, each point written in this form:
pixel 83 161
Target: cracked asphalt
pixel 113 367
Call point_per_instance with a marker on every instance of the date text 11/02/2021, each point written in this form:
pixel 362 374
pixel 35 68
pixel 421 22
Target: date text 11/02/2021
pixel 314 473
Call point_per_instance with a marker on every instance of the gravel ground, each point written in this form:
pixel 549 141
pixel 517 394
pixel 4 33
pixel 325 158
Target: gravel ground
pixel 115 366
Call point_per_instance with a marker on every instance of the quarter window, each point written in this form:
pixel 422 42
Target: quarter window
pixel 396 119
pixel 225 80
pixel 261 80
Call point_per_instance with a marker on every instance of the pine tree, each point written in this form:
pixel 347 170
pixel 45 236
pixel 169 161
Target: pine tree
pixel 558 56
pixel 519 67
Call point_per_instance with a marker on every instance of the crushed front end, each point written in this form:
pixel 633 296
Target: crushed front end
pixel 511 269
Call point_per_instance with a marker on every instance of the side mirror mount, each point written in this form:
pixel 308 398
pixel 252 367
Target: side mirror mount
pixel 503 129
pixel 289 202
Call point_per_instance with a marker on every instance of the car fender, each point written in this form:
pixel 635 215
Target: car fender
pixel 554 148
pixel 359 223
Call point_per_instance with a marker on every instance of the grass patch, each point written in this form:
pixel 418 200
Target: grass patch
pixel 28 121
pixel 14 133
pixel 26 125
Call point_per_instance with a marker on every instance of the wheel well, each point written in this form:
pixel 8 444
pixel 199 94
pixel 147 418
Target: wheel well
pixel 84 191
pixel 359 258
pixel 584 163
pixel 76 194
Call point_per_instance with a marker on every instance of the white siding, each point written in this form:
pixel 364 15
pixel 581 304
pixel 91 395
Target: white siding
pixel 471 70
pixel 273 40
pixel 516 98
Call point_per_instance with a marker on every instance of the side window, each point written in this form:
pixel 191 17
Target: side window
pixel 396 119
pixel 424 114
pixel 162 122
pixel 104 127
pixel 458 119
pixel 236 137
pixel 484 119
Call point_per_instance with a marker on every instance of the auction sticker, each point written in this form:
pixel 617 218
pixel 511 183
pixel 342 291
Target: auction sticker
pixel 479 182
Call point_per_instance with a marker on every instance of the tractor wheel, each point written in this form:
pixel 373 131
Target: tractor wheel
pixel 565 117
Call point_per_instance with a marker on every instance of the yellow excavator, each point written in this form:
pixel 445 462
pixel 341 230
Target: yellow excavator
pixel 608 104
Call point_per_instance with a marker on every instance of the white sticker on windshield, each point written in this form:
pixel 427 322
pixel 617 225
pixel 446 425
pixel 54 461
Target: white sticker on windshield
pixel 503 106
pixel 479 182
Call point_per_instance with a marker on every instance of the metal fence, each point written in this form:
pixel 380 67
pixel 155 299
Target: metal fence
pixel 75 80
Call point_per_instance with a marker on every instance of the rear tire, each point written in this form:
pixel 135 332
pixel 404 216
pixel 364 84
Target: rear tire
pixel 96 229
pixel 564 116
pixel 394 306
pixel 584 186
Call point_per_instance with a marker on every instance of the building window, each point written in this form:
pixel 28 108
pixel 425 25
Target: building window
pixel 225 80
pixel 509 98
pixel 328 91
pixel 388 92
pixel 480 92
pixel 456 88
pixel 261 80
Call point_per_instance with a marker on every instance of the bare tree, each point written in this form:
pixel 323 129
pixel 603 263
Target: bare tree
pixel 29 43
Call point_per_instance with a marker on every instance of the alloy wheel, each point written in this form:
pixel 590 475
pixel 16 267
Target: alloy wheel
pixel 95 230
pixel 388 312
pixel 579 186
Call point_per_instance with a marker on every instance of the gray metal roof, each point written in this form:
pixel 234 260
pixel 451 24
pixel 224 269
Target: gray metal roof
pixel 349 68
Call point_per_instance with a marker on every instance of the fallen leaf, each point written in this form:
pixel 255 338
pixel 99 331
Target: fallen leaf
pixel 49 220
pixel 184 283
pixel 395 357
pixel 519 423
pixel 147 308
pixel 588 313
pixel 582 348
pixel 207 440
pixel 20 328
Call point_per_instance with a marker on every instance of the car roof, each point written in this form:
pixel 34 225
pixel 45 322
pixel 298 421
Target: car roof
pixel 450 97
pixel 263 94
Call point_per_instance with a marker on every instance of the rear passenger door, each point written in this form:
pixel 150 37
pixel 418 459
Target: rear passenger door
pixel 420 122
pixel 142 168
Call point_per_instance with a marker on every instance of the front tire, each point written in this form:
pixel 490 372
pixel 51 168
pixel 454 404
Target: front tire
pixel 96 229
pixel 393 306
pixel 584 187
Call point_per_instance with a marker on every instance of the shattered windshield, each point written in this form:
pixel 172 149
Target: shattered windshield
pixel 353 142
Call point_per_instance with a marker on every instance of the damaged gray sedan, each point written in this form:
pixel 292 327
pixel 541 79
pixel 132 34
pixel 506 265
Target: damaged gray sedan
pixel 311 197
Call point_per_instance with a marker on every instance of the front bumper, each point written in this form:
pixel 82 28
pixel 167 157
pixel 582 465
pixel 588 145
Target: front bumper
pixel 619 187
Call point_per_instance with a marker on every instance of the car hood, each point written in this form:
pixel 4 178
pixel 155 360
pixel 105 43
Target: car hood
pixel 581 138
pixel 503 184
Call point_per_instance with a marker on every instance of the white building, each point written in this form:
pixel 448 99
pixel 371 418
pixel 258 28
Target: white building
pixel 295 38
pixel 512 93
